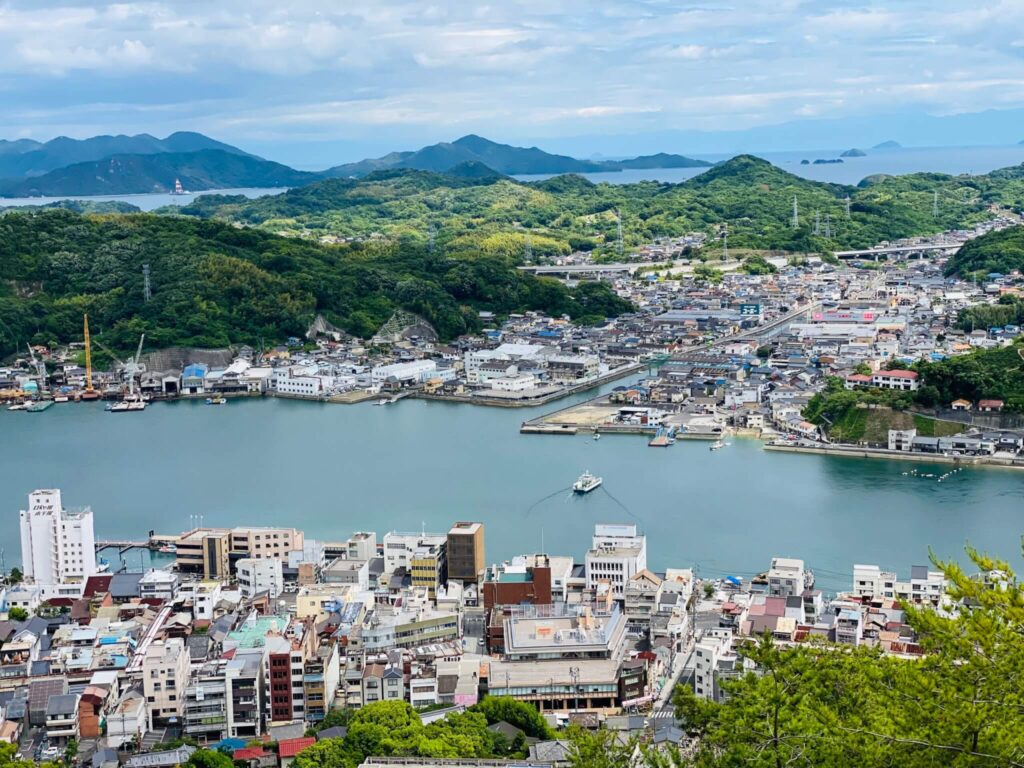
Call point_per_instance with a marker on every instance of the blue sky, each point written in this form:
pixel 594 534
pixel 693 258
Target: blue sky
pixel 365 76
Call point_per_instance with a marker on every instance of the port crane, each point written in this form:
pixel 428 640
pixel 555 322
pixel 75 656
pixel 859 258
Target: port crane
pixel 40 367
pixel 89 393
pixel 130 368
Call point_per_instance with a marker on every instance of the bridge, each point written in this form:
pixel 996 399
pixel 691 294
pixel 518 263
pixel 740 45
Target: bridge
pixel 947 249
pixel 631 267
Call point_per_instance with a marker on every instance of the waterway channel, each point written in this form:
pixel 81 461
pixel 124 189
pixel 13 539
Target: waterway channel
pixel 334 469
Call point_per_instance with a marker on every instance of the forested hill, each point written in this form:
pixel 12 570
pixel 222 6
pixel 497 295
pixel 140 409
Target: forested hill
pixel 216 284
pixel 144 173
pixel 753 198
pixel 1001 251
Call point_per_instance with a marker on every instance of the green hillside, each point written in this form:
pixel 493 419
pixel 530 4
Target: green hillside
pixel 216 284
pixel 1001 251
pixel 753 198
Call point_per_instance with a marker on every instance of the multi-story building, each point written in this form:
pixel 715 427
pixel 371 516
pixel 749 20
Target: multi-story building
pixel 62 718
pixel 544 632
pixel 524 580
pixel 57 545
pixel 428 567
pixel 165 670
pixel 256 576
pixel 224 698
pixel 384 629
pixel 641 599
pixel 786 577
pixel 158 584
pixel 714 660
pixel 202 596
pixel 213 552
pixel 925 586
pixel 570 369
pixel 465 551
pixel 617 554
pixel 399 548
pixel 320 678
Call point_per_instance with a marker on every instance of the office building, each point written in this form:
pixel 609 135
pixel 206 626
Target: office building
pixel 466 551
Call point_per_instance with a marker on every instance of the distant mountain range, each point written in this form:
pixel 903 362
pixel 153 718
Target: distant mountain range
pixel 24 157
pixel 134 174
pixel 122 165
pixel 504 159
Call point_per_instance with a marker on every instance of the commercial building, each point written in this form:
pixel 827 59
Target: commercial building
pixel 399 548
pixel 413 372
pixel 924 586
pixel 558 631
pixel 428 566
pixel 522 581
pixel 213 552
pixel 616 555
pixel 256 576
pixel 57 545
pixel 465 551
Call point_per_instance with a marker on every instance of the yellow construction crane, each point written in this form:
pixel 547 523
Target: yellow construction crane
pixel 90 393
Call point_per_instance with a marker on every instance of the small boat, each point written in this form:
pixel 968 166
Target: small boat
pixel 586 482
pixel 18 407
pixel 217 400
pixel 716 445
pixel 597 435
pixel 61 398
pixel 382 401
pixel 127 406
pixel 169 549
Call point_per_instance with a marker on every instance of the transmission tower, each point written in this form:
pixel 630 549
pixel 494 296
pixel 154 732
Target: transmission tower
pixel 725 242
pixel 828 225
pixel 935 204
pixel 817 223
pixel 618 232
pixel 147 290
pixel 847 206
pixel 430 241
pixel 795 223
pixel 528 250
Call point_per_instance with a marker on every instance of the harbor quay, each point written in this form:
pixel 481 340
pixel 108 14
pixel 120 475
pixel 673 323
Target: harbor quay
pixel 261 632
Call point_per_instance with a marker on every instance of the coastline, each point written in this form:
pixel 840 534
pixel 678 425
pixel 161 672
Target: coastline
pixel 856 452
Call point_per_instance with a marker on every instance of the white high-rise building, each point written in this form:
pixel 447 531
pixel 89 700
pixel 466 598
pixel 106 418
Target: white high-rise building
pixel 616 555
pixel 57 545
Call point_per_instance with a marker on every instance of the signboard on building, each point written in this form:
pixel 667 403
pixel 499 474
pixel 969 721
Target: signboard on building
pixel 750 310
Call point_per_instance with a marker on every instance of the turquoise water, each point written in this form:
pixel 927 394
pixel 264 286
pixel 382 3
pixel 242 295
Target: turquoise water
pixel 332 469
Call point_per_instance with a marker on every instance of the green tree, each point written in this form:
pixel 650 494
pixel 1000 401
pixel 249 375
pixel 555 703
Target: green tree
pixel 209 758
pixel 521 714
pixel 16 576
pixel 17 614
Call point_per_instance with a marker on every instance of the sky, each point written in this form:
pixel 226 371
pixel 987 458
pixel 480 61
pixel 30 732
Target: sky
pixel 355 77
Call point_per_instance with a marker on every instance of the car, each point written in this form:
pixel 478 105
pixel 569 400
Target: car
pixel 51 752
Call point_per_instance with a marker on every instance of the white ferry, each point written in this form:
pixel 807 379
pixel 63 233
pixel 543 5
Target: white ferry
pixel 586 482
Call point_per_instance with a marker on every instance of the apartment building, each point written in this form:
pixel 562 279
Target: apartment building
pixel 256 576
pixel 400 547
pixel 924 586
pixel 786 577
pixel 165 672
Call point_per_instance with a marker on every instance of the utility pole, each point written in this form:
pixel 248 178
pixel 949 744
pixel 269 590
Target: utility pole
pixel 795 223
pixel 147 292
pixel 618 232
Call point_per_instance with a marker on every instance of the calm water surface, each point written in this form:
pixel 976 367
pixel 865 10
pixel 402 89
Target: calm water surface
pixel 332 469
pixel 146 202
pixel 953 160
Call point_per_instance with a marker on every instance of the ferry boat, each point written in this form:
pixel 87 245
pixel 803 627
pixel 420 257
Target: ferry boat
pixel 127 406
pixel 217 400
pixel 586 483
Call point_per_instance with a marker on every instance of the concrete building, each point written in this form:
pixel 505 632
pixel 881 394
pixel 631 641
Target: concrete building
pixel 158 585
pixel 57 545
pixel 260 575
pixel 413 372
pixel 714 660
pixel 905 380
pixel 465 551
pixel 202 596
pixel 399 548
pixel 924 586
pixel 616 555
pixel 165 670
pixel 523 580
pixel 213 551
pixel 786 577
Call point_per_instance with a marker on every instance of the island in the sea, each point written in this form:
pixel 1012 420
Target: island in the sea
pixel 854 152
